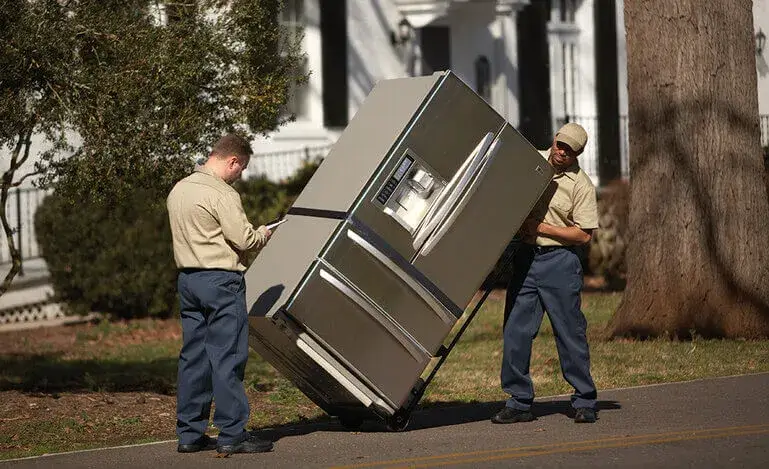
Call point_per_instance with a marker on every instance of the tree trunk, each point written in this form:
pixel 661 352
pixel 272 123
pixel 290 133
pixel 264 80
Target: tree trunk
pixel 699 213
pixel 6 182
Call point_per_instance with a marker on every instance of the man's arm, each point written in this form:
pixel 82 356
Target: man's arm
pixel 236 227
pixel 571 235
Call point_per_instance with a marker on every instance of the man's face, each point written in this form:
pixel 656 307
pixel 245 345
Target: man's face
pixel 234 168
pixel 561 155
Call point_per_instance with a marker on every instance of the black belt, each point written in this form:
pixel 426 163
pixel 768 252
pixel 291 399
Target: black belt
pixel 545 249
pixel 191 270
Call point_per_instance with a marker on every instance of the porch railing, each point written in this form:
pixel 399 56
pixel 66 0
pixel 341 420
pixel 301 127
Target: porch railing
pixel 21 207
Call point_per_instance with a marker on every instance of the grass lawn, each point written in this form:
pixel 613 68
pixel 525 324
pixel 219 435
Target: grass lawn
pixel 108 384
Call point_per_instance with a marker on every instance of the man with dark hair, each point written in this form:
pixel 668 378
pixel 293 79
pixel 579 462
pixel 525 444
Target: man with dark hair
pixel 211 234
pixel 547 276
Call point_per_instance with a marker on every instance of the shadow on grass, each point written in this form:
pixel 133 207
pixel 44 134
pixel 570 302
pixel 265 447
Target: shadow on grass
pixel 431 415
pixel 49 373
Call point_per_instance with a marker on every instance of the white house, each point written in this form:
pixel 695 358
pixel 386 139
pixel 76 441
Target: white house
pixel 533 60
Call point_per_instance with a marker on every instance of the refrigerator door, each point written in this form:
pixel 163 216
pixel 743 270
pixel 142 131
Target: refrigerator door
pixel 484 217
pixel 454 189
pixel 359 334
pixel 446 136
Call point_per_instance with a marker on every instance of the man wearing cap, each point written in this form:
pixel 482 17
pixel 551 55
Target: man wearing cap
pixel 547 276
pixel 211 235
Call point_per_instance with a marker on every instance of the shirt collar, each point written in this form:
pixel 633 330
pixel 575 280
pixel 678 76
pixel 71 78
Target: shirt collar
pixel 208 171
pixel 570 172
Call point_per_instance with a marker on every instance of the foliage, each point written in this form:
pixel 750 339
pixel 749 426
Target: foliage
pixel 113 258
pixel 142 86
pixel 265 201
pixel 35 60
pixel 117 258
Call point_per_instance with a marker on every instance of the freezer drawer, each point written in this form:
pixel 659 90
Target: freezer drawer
pixel 389 281
pixel 318 375
pixel 353 329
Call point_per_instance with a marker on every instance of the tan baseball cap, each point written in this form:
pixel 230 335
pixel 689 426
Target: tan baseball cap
pixel 572 135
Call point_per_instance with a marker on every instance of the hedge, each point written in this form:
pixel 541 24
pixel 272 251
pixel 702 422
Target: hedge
pixel 115 256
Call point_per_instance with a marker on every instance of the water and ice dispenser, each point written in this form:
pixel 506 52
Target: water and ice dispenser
pixel 410 191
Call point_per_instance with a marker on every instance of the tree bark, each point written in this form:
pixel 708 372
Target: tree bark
pixel 699 213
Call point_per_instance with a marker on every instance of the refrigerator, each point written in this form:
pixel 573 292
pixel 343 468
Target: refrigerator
pixel 355 294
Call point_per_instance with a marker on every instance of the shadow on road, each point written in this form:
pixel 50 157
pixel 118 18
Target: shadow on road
pixel 432 415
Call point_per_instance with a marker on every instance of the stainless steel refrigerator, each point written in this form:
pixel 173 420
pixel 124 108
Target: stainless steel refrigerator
pixel 383 250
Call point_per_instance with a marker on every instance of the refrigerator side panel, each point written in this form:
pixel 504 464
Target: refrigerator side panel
pixel 365 142
pixel 281 265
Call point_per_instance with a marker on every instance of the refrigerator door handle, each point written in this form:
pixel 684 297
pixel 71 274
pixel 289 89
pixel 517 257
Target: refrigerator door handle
pixel 408 342
pixel 438 307
pixel 440 231
pixel 450 193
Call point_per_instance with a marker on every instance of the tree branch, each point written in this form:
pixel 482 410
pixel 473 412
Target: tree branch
pixel 18 183
pixel 27 145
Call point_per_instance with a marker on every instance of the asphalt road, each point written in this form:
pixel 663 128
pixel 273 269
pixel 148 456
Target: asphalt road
pixel 720 422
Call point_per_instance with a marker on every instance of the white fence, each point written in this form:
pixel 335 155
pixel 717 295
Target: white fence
pixel 277 166
pixel 20 208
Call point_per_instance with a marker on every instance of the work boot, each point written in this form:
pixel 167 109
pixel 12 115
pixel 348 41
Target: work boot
pixel 252 444
pixel 511 415
pixel 585 415
pixel 204 443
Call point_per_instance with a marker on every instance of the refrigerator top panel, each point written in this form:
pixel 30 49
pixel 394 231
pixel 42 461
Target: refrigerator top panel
pixel 365 142
pixel 440 149
pixel 284 261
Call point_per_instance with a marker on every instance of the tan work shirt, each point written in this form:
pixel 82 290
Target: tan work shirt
pixel 573 203
pixel 209 227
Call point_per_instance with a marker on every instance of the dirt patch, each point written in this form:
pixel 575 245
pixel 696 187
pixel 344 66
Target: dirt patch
pixel 52 382
pixel 31 422
pixel 105 384
pixel 75 338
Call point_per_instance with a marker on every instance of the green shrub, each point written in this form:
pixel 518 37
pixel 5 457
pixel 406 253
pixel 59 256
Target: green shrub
pixel 109 255
pixel 114 254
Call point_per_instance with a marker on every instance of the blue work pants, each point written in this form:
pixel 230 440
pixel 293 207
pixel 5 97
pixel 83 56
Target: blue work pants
pixel 213 357
pixel 545 279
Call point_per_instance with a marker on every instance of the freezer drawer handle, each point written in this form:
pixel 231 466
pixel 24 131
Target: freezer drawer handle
pixel 452 191
pixel 419 353
pixel 488 159
pixel 433 303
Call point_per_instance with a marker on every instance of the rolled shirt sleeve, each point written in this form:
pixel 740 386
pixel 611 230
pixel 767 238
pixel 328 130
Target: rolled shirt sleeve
pixel 585 211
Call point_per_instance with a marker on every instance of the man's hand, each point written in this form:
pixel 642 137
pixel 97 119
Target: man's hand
pixel 266 232
pixel 531 227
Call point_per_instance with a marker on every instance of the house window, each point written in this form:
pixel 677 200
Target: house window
pixel 483 78
pixel 292 20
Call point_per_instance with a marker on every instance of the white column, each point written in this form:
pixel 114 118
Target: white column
pixel 506 88
pixel 312 47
